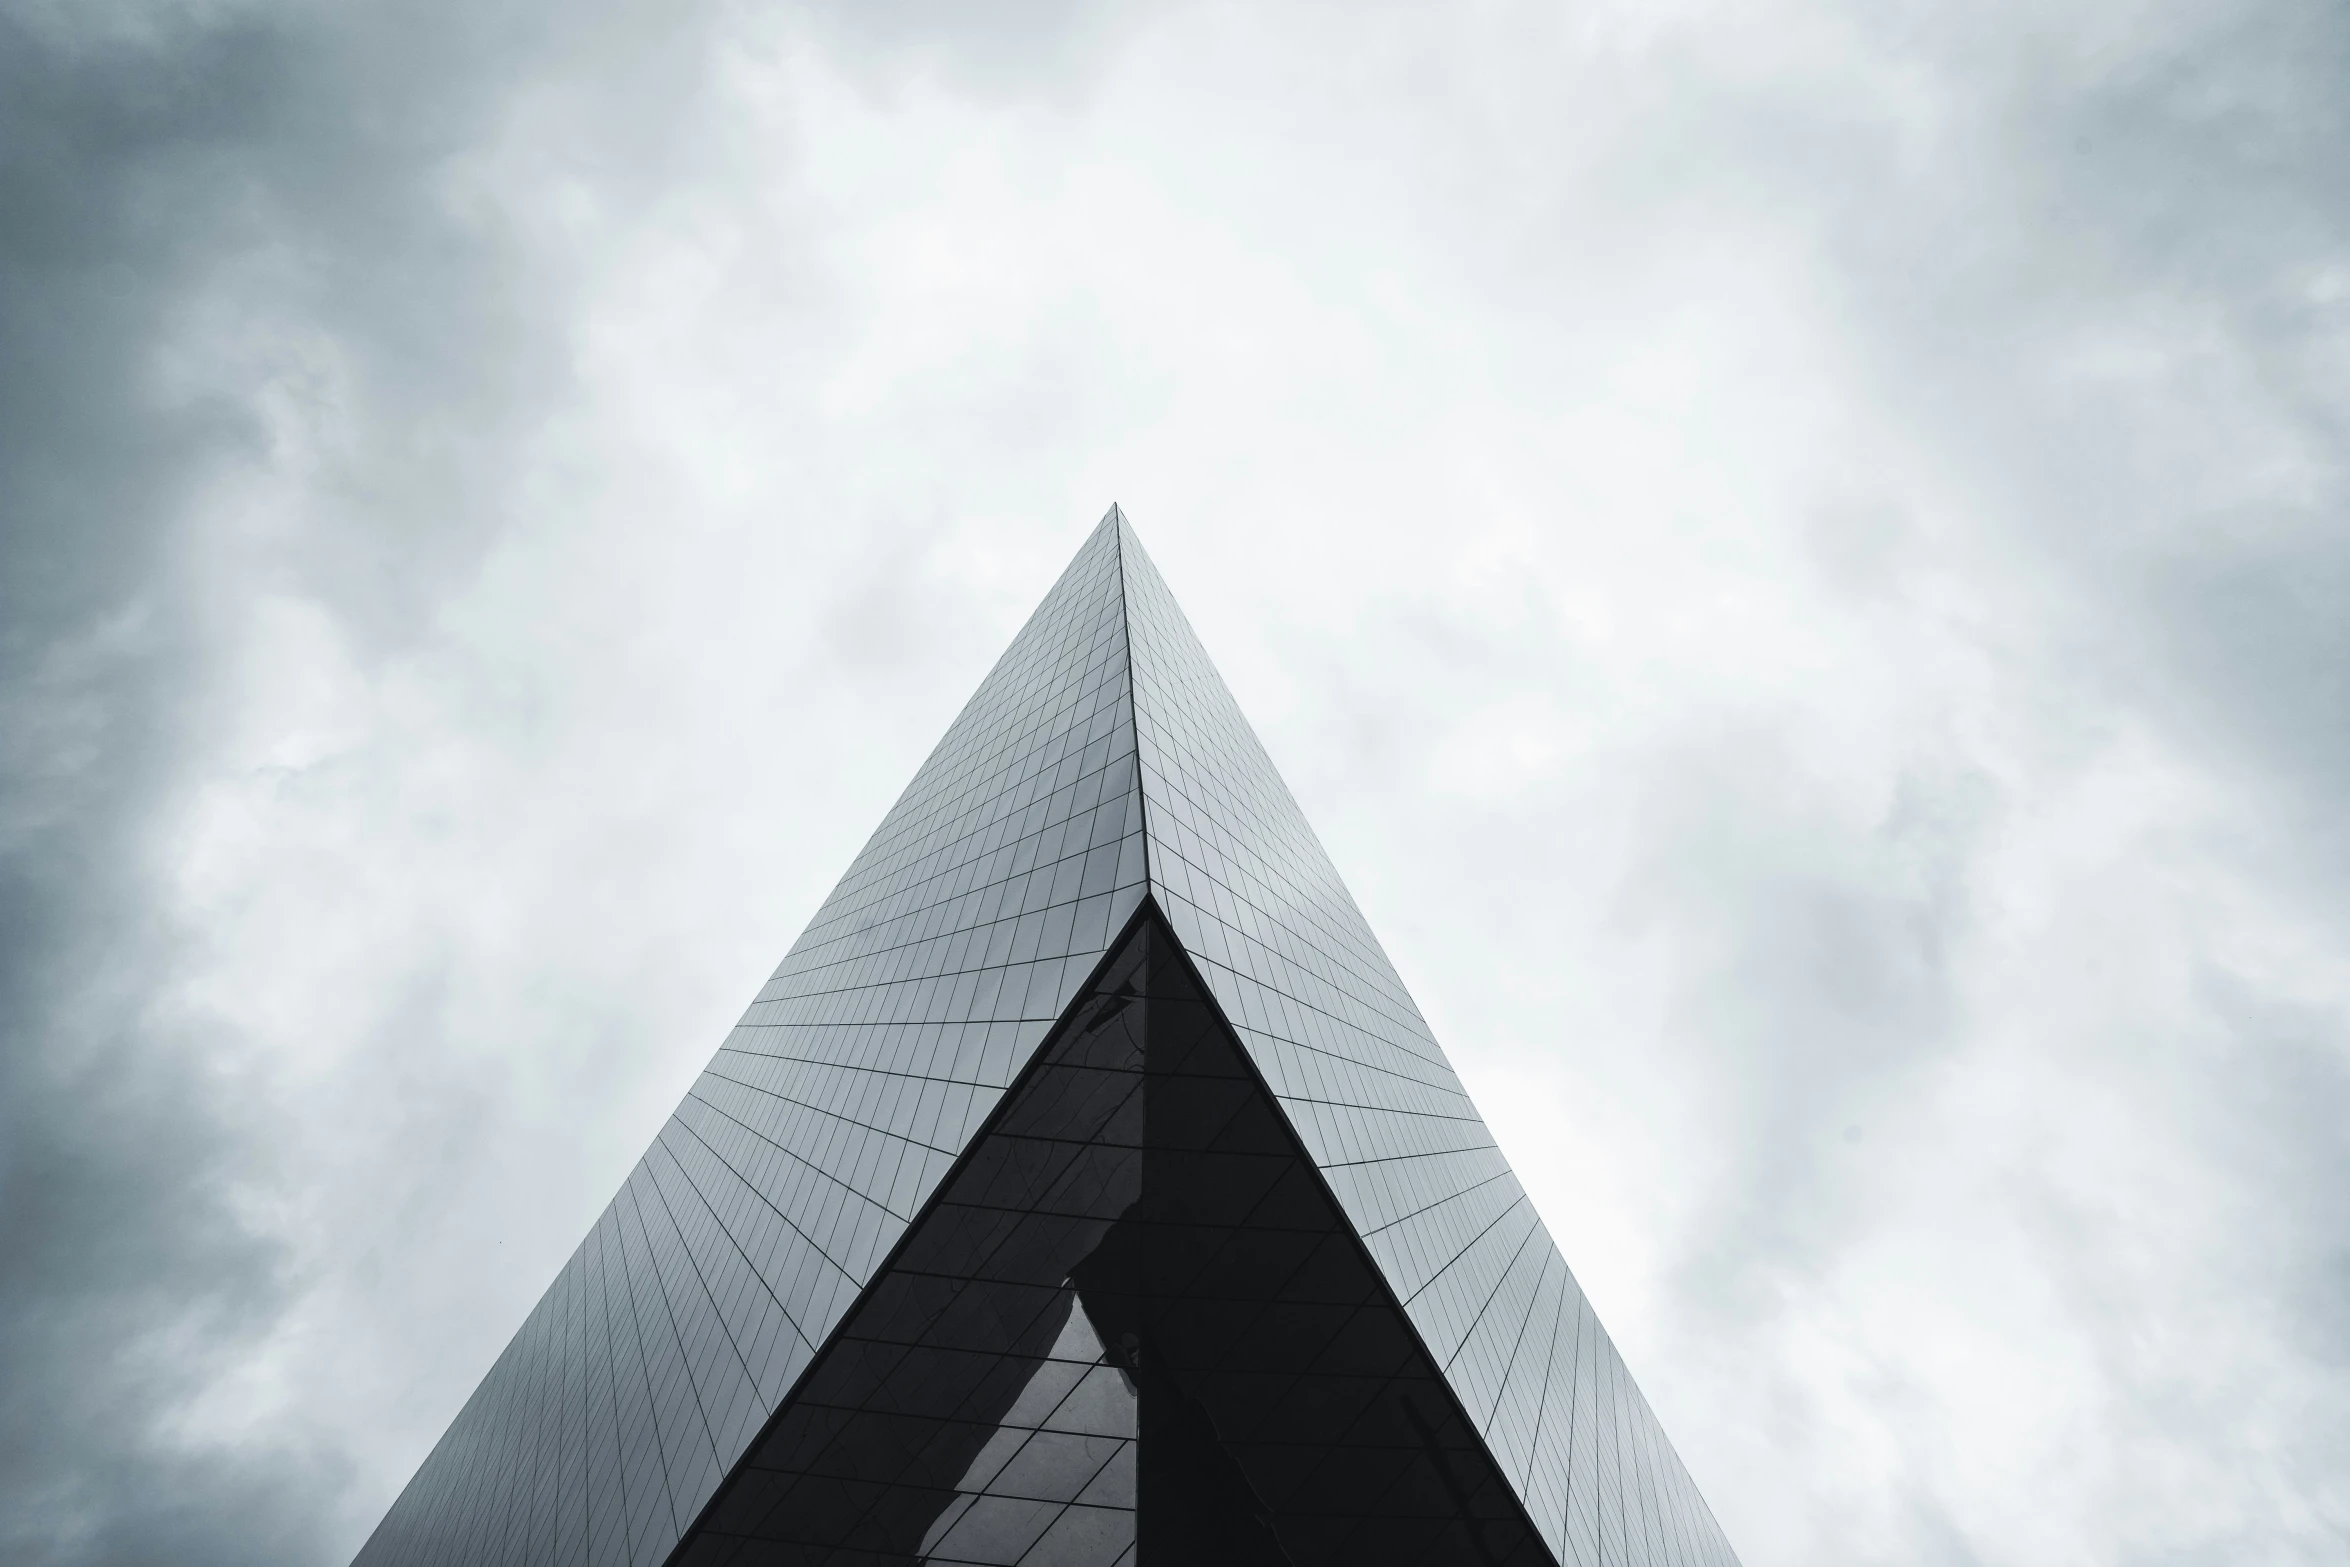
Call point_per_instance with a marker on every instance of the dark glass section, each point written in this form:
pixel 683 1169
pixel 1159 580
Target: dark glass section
pixel 1133 1327
pixel 1289 1412
pixel 967 1411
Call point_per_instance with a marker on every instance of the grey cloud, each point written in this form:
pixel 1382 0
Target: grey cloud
pixel 1025 49
pixel 2125 324
pixel 1815 979
pixel 2106 297
pixel 119 1232
pixel 2160 419
pixel 265 177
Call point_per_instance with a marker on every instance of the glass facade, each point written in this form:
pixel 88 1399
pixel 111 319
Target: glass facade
pixel 1134 1321
pixel 1084 1187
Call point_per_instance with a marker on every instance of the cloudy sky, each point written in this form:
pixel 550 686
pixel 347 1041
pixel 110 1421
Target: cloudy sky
pixel 1795 552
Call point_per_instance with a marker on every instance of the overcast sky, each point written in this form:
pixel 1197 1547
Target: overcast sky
pixel 1795 553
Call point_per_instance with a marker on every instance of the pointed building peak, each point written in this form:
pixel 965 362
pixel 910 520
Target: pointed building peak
pixel 744 1289
pixel 1116 529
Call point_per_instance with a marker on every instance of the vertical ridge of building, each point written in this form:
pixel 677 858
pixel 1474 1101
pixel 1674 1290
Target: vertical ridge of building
pixel 1115 520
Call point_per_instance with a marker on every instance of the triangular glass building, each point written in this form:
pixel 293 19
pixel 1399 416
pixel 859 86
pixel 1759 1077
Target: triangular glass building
pixel 1084 1189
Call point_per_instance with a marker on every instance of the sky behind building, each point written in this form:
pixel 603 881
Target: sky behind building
pixel 1792 553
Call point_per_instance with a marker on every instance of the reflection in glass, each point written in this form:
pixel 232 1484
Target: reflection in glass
pixel 1054 1487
